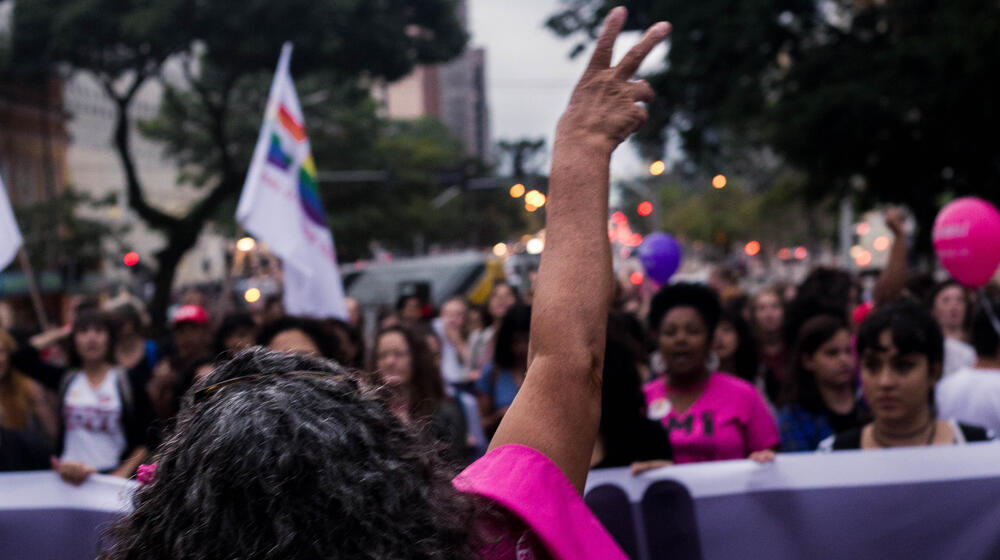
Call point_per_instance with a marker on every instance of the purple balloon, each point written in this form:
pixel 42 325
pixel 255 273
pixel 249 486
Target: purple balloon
pixel 660 255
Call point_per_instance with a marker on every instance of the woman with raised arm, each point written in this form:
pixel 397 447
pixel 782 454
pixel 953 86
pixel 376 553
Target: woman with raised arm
pixel 288 456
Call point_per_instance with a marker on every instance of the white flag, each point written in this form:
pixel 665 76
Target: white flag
pixel 10 235
pixel 280 204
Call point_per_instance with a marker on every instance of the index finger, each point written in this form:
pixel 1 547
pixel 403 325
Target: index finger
pixel 630 64
pixel 613 25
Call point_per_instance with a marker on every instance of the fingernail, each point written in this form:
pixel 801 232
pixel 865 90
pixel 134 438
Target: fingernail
pixel 661 27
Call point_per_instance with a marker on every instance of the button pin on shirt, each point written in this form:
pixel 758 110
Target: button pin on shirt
pixel 659 409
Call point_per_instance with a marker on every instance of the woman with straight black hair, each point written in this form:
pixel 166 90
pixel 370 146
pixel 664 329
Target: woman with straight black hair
pixel 626 436
pixel 902 351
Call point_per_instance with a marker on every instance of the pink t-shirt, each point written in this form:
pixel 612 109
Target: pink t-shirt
pixel 548 519
pixel 728 421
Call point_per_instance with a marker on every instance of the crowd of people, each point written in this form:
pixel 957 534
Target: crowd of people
pixel 280 436
pixel 689 375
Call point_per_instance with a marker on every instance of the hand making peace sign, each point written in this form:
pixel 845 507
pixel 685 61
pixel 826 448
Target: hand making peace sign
pixel 603 108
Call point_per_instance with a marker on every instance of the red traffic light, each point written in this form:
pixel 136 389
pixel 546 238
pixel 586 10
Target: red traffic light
pixel 645 208
pixel 131 258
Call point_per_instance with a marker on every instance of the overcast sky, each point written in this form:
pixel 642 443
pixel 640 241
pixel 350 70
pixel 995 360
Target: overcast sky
pixel 529 73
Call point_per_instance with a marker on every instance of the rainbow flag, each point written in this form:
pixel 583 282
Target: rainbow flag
pixel 276 155
pixel 290 124
pixel 281 205
pixel 309 194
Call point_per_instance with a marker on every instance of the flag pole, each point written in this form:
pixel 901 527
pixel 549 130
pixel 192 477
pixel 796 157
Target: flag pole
pixel 36 296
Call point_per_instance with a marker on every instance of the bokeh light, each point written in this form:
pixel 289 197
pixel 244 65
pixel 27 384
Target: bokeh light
pixel 246 244
pixel 252 295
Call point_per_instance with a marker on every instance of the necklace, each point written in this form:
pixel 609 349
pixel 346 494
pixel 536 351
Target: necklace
pixel 930 437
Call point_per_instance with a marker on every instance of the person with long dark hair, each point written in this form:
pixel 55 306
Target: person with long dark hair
pixel 405 365
pixel 710 415
pixel 950 305
pixel 735 347
pixel 503 377
pixel 286 456
pixel 902 351
pixel 626 435
pixel 767 322
pixel 479 351
pixel 820 397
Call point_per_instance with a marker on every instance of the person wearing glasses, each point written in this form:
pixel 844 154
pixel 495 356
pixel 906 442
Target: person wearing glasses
pixel 270 463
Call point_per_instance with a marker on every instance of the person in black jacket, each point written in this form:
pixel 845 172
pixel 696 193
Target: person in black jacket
pixel 902 351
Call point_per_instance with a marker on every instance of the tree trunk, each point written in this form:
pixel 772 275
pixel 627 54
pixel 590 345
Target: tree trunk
pixel 179 241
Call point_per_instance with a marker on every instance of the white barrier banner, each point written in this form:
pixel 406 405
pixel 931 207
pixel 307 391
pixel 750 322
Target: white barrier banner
pixel 43 518
pixel 940 502
pixel 937 502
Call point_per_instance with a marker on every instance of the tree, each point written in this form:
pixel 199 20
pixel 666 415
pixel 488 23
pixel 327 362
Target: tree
pixel 883 100
pixel 57 238
pixel 225 53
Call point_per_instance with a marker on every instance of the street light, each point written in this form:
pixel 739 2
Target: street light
pixel 719 181
pixel 657 168
pixel 500 249
pixel 517 191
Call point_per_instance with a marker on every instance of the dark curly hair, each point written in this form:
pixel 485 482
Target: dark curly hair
pixel 299 466
pixel 703 299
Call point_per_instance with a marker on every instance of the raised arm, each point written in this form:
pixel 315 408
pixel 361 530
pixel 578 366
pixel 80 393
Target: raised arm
pixel 557 410
pixel 891 283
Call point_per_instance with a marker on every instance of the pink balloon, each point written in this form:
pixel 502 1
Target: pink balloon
pixel 966 238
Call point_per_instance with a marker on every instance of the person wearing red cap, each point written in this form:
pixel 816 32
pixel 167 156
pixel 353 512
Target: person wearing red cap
pixel 192 341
